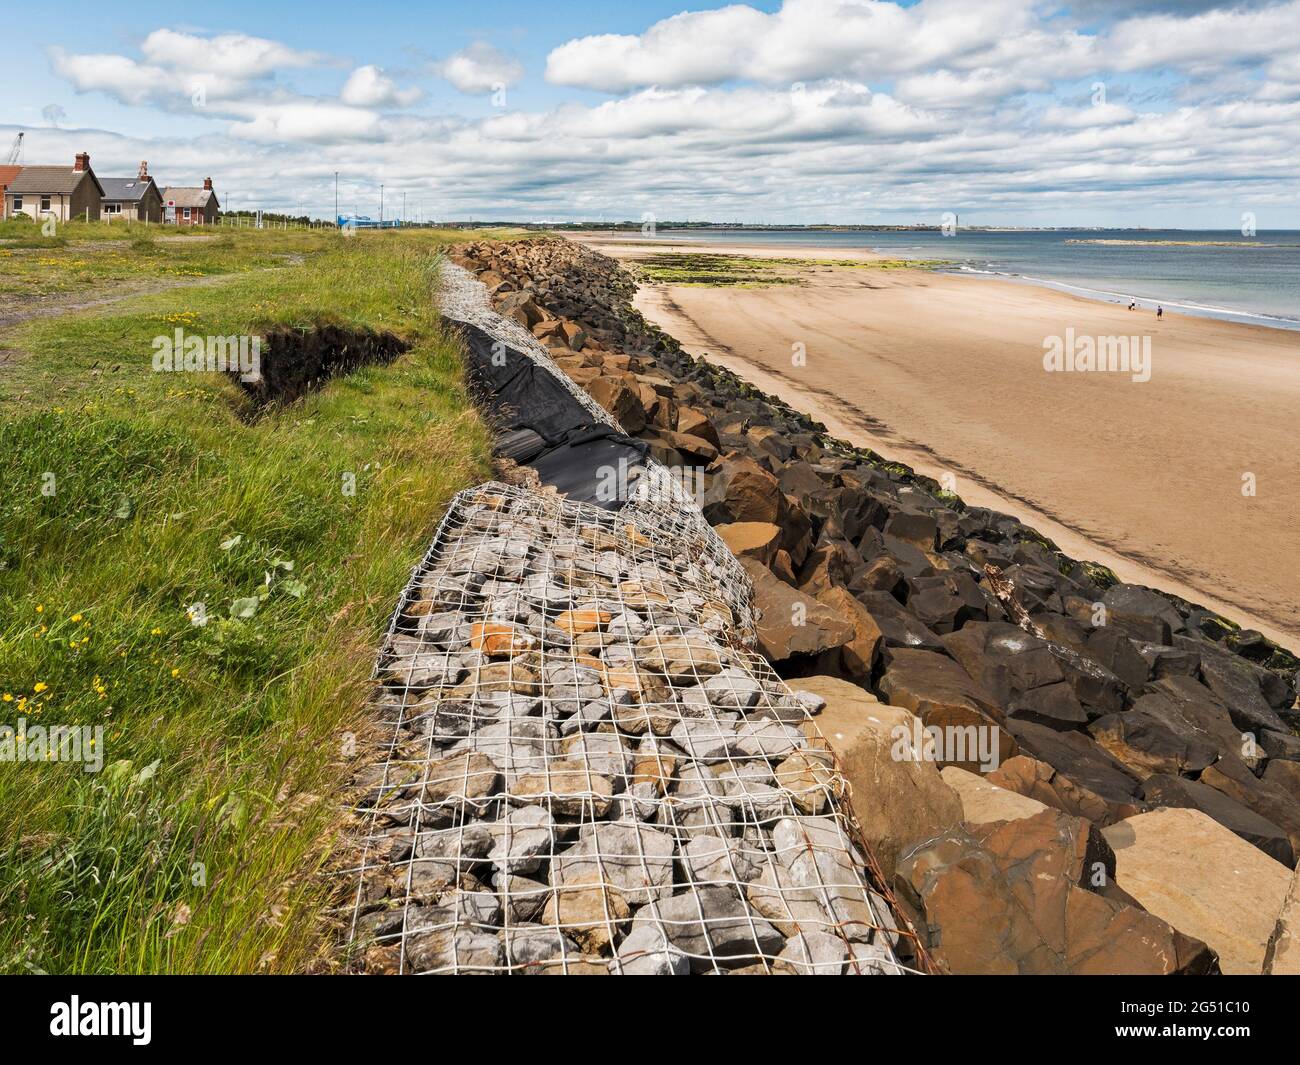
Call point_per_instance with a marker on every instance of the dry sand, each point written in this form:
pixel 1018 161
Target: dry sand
pixel 946 374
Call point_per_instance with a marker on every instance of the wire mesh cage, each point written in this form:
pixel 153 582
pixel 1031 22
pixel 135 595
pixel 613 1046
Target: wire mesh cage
pixel 588 771
pixel 659 500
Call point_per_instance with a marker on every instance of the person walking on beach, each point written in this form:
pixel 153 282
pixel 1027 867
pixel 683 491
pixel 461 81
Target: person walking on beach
pixel 1132 305
pixel 1160 311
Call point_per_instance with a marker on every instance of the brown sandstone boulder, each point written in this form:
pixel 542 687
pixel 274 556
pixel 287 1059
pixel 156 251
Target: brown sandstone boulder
pixel 1019 896
pixel 620 399
pixel 1285 775
pixel 1146 746
pixel 943 695
pixel 1040 781
pixel 858 656
pixel 1282 955
pixel 1230 776
pixel 897 801
pixel 693 422
pixel 983 802
pixel 750 539
pixel 1192 872
pixel 791 623
pixel 743 491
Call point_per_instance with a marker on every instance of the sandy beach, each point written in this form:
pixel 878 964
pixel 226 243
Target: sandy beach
pixel 946 373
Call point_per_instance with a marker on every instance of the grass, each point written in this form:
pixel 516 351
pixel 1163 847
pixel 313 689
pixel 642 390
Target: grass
pixel 85 257
pixel 126 498
pixel 720 269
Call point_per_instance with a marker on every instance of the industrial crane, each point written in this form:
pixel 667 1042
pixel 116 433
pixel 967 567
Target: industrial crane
pixel 16 150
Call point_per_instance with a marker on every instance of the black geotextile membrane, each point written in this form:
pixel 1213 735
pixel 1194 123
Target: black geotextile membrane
pixel 540 423
pixel 593 466
pixel 518 393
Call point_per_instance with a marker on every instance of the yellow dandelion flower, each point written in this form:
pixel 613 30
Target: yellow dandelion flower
pixel 155 632
pixel 7 697
pixel 176 672
pixel 40 608
pixel 75 617
pixel 39 687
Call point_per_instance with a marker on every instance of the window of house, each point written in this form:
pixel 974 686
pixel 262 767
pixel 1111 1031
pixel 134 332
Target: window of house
pixel 18 203
pixel 187 212
pixel 112 208
pixel 45 203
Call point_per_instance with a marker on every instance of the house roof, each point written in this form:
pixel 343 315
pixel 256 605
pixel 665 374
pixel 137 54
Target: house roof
pixel 7 174
pixel 187 197
pixel 58 180
pixel 127 189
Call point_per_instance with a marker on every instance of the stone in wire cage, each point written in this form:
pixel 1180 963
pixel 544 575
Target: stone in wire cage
pixel 589 773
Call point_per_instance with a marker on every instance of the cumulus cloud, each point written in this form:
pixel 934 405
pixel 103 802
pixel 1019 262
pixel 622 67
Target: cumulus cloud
pixel 479 69
pixel 369 86
pixel 823 110
pixel 176 64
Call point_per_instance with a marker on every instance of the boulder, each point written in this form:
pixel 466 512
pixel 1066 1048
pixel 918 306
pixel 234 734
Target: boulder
pixel 830 565
pixel 791 623
pixel 742 490
pixel 1236 683
pixel 944 696
pixel 1187 869
pixel 1133 599
pixel 1285 775
pixel 983 802
pixel 1231 776
pixel 1282 955
pixel 1081 759
pixel 1003 658
pixel 857 656
pixel 1014 897
pixel 751 539
pixel 1146 746
pixel 1053 705
pixel 1166 790
pixel 1112 647
pixel 897 800
pixel 1187 707
pixel 621 400
pixel 1038 780
pixel 898 626
pixel 693 422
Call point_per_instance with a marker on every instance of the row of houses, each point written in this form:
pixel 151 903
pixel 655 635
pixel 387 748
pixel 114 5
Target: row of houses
pixel 78 193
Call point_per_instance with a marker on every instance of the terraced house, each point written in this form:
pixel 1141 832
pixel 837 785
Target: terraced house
pixel 134 199
pixel 62 192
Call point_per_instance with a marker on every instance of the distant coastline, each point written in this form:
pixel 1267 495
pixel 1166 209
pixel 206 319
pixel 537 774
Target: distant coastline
pixel 1182 243
pixel 1178 269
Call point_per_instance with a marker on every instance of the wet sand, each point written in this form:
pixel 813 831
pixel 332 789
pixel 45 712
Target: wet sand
pixel 946 374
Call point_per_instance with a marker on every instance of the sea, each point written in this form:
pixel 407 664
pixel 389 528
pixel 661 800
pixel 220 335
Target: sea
pixel 1253 279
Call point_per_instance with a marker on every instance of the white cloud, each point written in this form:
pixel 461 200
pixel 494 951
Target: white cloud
pixel 232 55
pixel 369 86
pixel 479 69
pixel 840 110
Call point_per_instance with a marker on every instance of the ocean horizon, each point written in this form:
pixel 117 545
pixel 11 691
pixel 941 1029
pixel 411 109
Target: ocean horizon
pixel 1256 282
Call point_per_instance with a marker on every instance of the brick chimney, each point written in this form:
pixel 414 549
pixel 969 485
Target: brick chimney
pixel 83 161
pixel 144 171
pixel 207 183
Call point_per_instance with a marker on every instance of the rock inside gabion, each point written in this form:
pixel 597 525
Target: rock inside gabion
pixel 583 779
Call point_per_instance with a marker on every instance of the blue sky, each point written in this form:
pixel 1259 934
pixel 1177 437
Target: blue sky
pixel 1006 111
